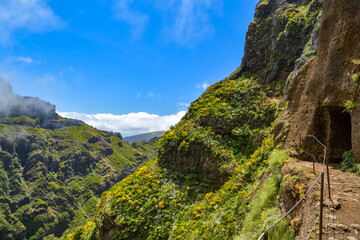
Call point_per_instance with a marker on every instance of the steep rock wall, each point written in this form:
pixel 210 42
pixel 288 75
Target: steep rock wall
pixel 282 36
pixel 323 97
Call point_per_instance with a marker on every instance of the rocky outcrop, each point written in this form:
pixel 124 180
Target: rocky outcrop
pixel 323 97
pixel 282 36
pixel 29 111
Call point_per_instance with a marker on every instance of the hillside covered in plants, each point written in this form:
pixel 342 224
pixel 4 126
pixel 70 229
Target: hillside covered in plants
pixel 51 178
pixel 212 165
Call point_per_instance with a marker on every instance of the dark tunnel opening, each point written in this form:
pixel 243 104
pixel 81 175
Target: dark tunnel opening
pixel 339 133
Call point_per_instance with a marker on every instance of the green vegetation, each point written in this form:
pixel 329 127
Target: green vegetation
pixel 264 209
pixel 349 161
pixel 51 180
pixel 217 175
pixel 155 204
pixel 263 2
pixel 348 164
pixel 294 28
pixel 350 106
pixel 225 126
pixel 230 128
pixel 355 77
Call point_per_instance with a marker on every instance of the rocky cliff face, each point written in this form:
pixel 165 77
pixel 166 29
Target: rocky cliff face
pixel 323 97
pixel 282 36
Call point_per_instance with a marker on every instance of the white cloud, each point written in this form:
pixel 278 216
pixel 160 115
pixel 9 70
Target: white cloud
pixel 21 59
pixel 183 104
pixel 135 19
pixel 127 124
pixel 25 60
pixel 185 21
pixel 192 19
pixel 204 86
pixel 31 15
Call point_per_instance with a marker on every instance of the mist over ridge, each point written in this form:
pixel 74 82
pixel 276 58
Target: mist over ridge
pixel 13 105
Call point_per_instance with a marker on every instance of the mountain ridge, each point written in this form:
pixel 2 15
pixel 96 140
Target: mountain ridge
pixel 53 170
pixel 144 136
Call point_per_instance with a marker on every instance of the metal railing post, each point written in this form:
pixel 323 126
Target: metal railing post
pixel 313 155
pixel 321 205
pixel 300 146
pixel 328 173
pixel 266 236
pixel 320 177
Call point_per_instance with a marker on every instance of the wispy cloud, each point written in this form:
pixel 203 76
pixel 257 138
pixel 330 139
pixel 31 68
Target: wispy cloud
pixel 30 15
pixel 21 59
pixel 127 124
pixel 47 80
pixel 185 21
pixel 135 19
pixel 25 59
pixel 192 20
pixel 182 106
pixel 204 85
pixel 21 77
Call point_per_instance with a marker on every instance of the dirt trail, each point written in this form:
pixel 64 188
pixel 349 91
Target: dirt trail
pixel 342 217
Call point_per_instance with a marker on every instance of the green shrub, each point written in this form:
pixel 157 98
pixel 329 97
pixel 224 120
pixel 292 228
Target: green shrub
pixel 350 106
pixel 349 163
pixel 355 77
pixel 357 169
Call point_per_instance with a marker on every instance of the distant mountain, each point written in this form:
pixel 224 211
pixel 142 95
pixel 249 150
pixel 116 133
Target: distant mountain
pixel 53 170
pixel 52 179
pixel 144 137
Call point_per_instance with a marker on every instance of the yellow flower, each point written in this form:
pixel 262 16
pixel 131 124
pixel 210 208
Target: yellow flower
pixel 208 195
pixel 161 204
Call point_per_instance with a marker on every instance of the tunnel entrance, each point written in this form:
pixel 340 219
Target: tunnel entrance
pixel 338 134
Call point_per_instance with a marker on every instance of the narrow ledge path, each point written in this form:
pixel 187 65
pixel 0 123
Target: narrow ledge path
pixel 342 217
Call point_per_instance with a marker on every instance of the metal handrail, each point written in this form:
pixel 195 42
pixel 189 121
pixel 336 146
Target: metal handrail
pixel 272 226
pixel 312 229
pixel 310 189
pixel 325 149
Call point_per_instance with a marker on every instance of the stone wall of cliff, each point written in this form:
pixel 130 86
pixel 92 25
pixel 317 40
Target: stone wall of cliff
pixel 323 97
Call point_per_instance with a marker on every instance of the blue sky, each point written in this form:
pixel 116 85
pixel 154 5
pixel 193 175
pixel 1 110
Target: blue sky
pixel 150 57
